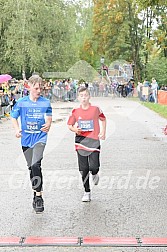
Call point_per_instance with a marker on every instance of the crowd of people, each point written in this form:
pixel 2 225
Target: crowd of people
pixel 66 90
pixel 11 91
pixel 148 91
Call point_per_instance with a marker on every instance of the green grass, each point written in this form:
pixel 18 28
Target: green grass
pixel 158 108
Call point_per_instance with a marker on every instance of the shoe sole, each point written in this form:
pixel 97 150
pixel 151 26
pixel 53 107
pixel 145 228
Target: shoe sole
pixel 39 211
pixel 86 200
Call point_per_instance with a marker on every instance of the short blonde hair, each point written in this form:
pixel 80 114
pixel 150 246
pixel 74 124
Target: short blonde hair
pixel 35 79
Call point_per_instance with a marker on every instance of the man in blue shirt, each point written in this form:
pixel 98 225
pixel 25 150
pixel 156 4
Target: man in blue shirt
pixel 35 114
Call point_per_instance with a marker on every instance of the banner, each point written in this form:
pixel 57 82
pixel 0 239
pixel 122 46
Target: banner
pixel 162 97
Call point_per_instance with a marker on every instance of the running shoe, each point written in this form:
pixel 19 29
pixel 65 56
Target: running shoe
pixel 38 204
pixel 95 179
pixel 86 197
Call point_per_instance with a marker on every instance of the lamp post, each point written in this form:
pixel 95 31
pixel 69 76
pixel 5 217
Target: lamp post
pixel 102 64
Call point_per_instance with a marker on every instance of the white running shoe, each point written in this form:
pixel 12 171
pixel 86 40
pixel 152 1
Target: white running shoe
pixel 86 197
pixel 95 179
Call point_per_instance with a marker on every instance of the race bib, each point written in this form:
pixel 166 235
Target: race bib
pixel 86 125
pixel 33 126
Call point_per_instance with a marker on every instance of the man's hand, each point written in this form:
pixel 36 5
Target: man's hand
pixel 46 127
pixel 78 131
pixel 17 128
pixel 102 136
pixel 18 134
pixel 75 129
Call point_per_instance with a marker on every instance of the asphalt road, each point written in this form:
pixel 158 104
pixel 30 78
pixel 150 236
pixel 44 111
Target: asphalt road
pixel 130 200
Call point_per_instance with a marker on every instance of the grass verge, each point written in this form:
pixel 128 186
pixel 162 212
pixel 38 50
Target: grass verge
pixel 158 108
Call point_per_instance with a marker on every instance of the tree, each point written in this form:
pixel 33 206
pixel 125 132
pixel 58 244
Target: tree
pixel 119 31
pixel 37 36
pixel 150 3
pixel 156 68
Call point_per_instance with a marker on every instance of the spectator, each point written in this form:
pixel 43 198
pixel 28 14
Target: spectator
pixel 154 88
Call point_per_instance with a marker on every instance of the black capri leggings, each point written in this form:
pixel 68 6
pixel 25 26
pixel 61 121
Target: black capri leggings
pixel 88 162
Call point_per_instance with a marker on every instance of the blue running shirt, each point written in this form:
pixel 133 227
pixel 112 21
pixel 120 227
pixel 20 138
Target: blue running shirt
pixel 32 116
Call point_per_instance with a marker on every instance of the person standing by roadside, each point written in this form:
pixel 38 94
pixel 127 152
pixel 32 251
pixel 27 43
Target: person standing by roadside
pixel 84 121
pixel 139 90
pixel 154 88
pixel 35 114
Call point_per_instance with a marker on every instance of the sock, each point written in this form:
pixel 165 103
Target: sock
pixel 38 194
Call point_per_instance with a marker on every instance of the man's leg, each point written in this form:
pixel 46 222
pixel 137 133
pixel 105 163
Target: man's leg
pixel 27 151
pixel 37 157
pixel 28 156
pixel 84 168
pixel 94 164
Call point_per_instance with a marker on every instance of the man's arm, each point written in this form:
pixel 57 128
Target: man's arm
pixel 75 129
pixel 16 127
pixel 102 134
pixel 46 126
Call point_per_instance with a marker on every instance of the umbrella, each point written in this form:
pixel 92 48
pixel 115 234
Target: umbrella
pixel 5 77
